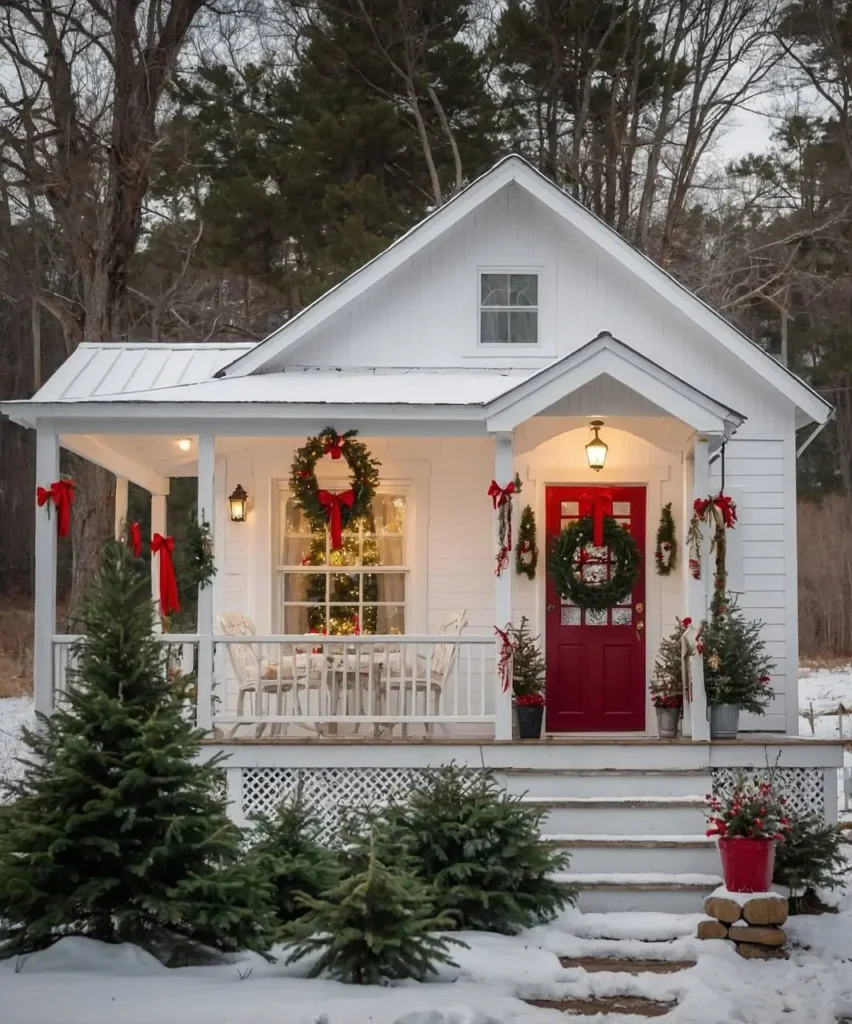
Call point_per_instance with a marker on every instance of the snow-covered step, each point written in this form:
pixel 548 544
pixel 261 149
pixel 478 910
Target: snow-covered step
pixel 623 854
pixel 664 892
pixel 545 782
pixel 597 753
pixel 621 816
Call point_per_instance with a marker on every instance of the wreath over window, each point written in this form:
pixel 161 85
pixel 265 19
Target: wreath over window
pixel 569 555
pixel 334 509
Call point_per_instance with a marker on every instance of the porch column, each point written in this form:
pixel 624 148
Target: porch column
pixel 120 505
pixel 206 511
pixel 697 592
pixel 47 470
pixel 158 525
pixel 504 471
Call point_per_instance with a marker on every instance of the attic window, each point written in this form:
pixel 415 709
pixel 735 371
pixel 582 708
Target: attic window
pixel 508 309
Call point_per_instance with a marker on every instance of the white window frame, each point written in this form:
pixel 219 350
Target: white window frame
pixel 281 492
pixel 533 347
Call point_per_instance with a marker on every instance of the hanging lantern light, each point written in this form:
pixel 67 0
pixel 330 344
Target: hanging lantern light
pixel 596 449
pixel 238 501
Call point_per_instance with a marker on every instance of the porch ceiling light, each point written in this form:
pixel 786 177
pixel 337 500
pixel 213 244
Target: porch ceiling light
pixel 596 449
pixel 238 500
pixel 184 443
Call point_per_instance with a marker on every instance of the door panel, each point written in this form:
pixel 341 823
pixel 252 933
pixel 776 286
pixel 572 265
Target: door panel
pixel 596 659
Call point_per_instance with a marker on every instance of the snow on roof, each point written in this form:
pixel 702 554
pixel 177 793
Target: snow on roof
pixel 95 370
pixel 327 387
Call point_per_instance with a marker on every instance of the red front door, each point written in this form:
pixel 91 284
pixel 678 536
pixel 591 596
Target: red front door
pixel 596 659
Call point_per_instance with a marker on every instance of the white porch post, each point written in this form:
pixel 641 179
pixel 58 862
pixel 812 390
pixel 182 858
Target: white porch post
pixel 120 505
pixel 47 471
pixel 504 471
pixel 206 511
pixel 158 525
pixel 697 590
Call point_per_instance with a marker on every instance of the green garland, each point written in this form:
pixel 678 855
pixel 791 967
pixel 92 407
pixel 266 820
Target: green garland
pixel 569 553
pixel 526 550
pixel 665 552
pixel 200 567
pixel 303 478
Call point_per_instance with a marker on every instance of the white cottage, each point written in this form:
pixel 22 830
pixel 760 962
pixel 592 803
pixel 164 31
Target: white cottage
pixel 477 348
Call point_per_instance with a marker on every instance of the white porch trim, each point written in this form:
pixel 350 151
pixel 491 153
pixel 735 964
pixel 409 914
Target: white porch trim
pixel 696 590
pixel 504 471
pixel 206 511
pixel 101 454
pixel 47 471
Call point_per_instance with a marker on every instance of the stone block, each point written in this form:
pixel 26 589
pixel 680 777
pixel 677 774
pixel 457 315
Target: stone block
pixel 765 910
pixel 761 935
pixel 712 929
pixel 722 909
pixel 751 951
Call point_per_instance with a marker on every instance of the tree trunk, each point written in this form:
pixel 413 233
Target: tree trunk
pixel 91 523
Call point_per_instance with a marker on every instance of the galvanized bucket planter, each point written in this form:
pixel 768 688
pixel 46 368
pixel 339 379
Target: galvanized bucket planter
pixel 667 723
pixel 724 721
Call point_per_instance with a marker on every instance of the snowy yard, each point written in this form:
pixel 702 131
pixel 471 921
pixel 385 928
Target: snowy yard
pixel 82 982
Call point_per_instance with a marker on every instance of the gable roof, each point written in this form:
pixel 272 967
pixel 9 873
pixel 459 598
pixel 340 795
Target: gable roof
pixel 515 169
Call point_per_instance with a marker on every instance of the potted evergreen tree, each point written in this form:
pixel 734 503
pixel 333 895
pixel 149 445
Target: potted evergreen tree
pixel 667 682
pixel 736 669
pixel 527 680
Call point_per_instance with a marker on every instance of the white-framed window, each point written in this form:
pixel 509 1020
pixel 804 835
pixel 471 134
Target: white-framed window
pixel 360 588
pixel 508 307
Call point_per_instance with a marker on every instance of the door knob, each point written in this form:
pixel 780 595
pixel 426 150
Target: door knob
pixel 551 607
pixel 640 625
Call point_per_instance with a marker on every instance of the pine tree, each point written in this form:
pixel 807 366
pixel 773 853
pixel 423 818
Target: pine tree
pixel 377 924
pixel 528 665
pixel 116 830
pixel 810 858
pixel 479 848
pixel 526 550
pixel 286 849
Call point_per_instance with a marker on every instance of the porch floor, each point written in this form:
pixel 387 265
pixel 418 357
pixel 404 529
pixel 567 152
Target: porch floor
pixel 745 739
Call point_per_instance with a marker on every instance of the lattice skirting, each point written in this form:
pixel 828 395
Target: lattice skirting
pixel 327 790
pixel 804 788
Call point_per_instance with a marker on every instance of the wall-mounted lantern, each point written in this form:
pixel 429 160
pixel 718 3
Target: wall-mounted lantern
pixel 596 449
pixel 238 501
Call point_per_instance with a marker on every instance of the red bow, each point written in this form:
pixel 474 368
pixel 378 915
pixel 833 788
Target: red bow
pixel 164 546
pixel 332 502
pixel 333 447
pixel 134 539
pixel 596 504
pixel 500 495
pixel 727 506
pixel 61 493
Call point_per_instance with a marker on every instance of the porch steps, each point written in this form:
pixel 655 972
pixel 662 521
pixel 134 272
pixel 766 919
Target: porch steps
pixel 664 892
pixel 636 836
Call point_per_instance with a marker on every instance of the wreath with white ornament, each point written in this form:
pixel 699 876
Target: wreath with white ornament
pixel 570 555
pixel 334 510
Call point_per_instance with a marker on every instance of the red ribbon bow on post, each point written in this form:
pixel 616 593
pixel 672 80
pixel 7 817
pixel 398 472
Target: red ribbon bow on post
pixel 596 504
pixel 134 538
pixel 61 493
pixel 164 546
pixel 500 495
pixel 332 503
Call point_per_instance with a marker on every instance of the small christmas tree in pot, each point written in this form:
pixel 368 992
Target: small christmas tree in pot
pixel 667 681
pixel 527 680
pixel 748 822
pixel 736 668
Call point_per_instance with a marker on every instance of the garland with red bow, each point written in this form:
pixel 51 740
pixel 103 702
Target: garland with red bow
pixel 501 500
pixel 504 659
pixel 720 512
pixel 334 510
pixel 61 495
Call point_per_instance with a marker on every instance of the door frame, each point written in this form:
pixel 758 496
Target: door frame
pixel 652 478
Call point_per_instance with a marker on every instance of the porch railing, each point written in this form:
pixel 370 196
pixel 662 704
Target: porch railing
pixel 290 684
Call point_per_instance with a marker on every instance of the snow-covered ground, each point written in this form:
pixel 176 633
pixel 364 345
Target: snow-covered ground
pixel 14 712
pixel 79 981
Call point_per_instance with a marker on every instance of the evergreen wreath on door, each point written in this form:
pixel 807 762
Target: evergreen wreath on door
pixel 334 510
pixel 665 552
pixel 570 555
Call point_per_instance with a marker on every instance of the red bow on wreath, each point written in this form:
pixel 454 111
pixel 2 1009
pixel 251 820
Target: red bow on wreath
pixel 332 502
pixel 61 493
pixel 596 504
pixel 164 546
pixel 500 495
pixel 333 447
pixel 134 539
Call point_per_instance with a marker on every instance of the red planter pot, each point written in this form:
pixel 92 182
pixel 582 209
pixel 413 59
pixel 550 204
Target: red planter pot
pixel 747 864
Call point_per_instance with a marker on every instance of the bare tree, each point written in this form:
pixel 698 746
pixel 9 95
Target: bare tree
pixel 79 125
